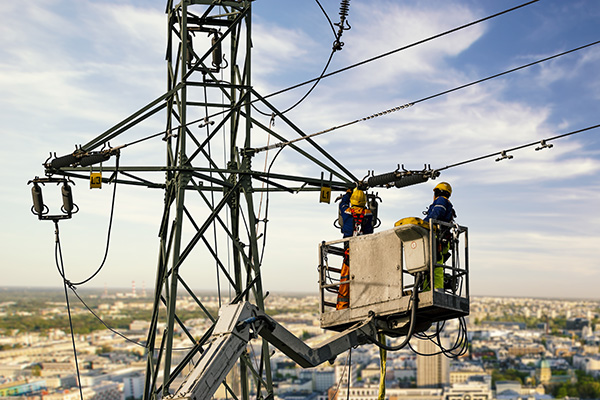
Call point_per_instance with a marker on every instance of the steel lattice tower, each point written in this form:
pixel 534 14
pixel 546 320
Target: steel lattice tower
pixel 208 106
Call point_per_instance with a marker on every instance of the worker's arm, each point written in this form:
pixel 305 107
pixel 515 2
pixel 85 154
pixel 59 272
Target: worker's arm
pixel 345 201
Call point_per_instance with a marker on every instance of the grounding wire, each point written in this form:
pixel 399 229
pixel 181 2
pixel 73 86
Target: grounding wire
pixel 262 253
pixel 60 266
pixel 349 373
pixel 104 323
pixel 342 377
pixel 336 46
pixel 315 82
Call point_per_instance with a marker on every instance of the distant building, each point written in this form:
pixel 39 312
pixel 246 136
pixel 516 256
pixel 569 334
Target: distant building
pixel 577 324
pixel 462 372
pixel 513 390
pixel 104 391
pixel 432 371
pixel 23 387
pixel 58 369
pixel 525 350
pixel 475 388
pixel 544 373
pixel 588 363
pixel 371 391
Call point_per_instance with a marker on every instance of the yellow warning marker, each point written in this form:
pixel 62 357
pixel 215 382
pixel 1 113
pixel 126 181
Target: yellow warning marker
pixel 325 196
pixel 95 180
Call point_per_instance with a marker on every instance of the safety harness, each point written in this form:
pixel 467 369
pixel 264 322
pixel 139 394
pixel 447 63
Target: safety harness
pixel 358 217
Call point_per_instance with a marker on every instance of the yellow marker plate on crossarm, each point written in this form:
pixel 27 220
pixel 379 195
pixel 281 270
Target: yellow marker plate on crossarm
pixel 325 196
pixel 95 180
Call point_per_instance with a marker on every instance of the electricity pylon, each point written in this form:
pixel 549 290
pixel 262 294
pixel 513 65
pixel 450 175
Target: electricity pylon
pixel 209 213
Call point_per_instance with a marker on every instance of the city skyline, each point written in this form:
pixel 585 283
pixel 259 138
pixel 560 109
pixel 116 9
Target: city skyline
pixel 72 69
pixel 507 355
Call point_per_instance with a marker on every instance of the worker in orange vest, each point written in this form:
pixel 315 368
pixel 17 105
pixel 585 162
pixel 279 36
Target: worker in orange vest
pixel 356 220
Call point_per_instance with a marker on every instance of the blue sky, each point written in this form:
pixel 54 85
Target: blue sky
pixel 69 70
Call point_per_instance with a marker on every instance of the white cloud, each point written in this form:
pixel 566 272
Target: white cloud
pixel 417 23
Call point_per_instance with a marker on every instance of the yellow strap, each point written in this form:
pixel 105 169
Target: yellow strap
pixel 383 358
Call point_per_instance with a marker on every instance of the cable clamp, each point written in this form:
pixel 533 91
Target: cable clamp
pixel 169 136
pixel 544 145
pixel 206 122
pixel 504 156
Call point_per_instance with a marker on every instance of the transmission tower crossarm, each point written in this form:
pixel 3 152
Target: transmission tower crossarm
pixel 299 131
pixel 316 182
pixel 135 118
pixel 299 150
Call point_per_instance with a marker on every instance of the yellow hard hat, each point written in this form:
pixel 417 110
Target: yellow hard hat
pixel 445 186
pixel 358 198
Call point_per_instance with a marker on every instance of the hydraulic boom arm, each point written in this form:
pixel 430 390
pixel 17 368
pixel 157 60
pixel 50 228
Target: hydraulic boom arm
pixel 237 324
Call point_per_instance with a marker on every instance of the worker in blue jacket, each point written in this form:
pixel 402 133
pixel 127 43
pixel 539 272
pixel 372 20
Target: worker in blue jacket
pixel 442 210
pixel 356 220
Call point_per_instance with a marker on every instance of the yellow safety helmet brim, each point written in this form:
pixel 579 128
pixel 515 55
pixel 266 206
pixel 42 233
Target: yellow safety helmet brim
pixel 445 186
pixel 358 198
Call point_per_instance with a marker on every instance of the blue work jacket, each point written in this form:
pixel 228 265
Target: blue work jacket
pixel 350 214
pixel 441 209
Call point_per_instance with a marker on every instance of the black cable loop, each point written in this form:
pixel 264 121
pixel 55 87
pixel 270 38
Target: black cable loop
pixel 326 16
pixel 460 344
pixel 413 318
pixel 104 323
pixel 112 210
pixel 314 85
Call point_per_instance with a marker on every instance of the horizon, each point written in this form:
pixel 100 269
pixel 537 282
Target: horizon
pixel 287 293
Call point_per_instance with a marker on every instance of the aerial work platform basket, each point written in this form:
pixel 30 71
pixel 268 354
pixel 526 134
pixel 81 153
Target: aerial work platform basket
pixel 383 267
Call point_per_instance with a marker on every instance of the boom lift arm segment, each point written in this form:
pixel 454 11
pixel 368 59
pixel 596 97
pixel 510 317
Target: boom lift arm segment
pixel 238 324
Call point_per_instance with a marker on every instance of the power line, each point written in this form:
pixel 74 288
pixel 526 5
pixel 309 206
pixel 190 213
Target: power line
pixel 401 49
pixel 508 72
pixel 504 153
pixel 394 109
pixel 322 76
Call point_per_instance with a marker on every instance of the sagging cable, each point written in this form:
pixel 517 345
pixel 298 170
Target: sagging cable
pixel 413 318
